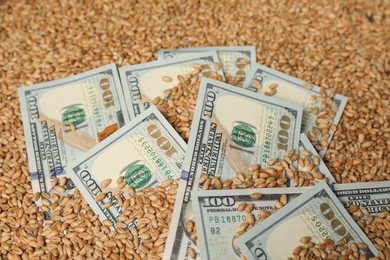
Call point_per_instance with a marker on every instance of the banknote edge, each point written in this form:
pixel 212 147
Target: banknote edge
pixel 322 186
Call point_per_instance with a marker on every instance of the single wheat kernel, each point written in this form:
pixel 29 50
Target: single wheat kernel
pixel 243 226
pixel 192 253
pixel 278 167
pixel 297 250
pixel 59 189
pixel 100 197
pixel 166 79
pixel 63 181
pixel 272 162
pixel 278 204
pixel 167 183
pixel 107 205
pixel 105 183
pixel 256 196
pixel 257 85
pixel 241 206
pixel 306 153
pixel 107 223
pixel 307 86
pixel 254 167
pixel 283 199
pixel 203 178
pixel 250 219
pixel 305 240
pixel 72 127
pixel 37 196
pixel 249 208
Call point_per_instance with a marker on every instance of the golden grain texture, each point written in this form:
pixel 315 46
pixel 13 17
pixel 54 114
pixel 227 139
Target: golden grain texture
pixel 376 227
pixel 343 45
pixel 329 249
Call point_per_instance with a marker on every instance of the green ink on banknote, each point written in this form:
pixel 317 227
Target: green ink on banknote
pixel 244 136
pixel 320 227
pixel 73 115
pixel 138 175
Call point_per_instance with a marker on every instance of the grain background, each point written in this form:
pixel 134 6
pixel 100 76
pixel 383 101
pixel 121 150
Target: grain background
pixel 337 44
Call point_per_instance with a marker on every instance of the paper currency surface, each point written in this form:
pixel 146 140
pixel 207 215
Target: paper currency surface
pixel 232 129
pixel 146 152
pixel 144 82
pixel 218 218
pixel 261 79
pixel 236 61
pixel 64 118
pixel 316 213
pixel 374 196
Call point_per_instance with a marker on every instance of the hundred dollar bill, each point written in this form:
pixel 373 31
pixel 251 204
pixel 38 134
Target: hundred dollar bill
pixel 316 213
pixel 236 61
pixel 218 218
pixel 232 129
pixel 305 144
pixel 64 118
pixel 144 82
pixel 271 82
pixel 146 152
pixel 375 196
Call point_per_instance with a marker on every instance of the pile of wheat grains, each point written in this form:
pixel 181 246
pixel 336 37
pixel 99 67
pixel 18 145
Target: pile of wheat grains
pixel 342 45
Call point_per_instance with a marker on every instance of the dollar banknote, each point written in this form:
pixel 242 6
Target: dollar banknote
pixel 316 115
pixel 144 82
pixel 374 196
pixel 218 218
pixel 305 144
pixel 64 118
pixel 317 213
pixel 146 152
pixel 232 129
pixel 236 61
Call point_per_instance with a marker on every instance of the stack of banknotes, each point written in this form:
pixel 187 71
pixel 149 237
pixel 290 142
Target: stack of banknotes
pixel 103 124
